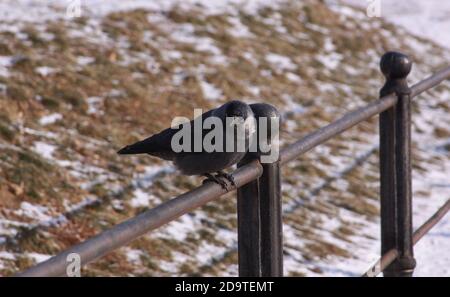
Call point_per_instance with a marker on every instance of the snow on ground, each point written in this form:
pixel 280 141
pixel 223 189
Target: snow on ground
pixel 133 255
pixel 94 105
pixel 432 251
pixel 45 70
pixel 36 212
pixel 280 62
pixel 50 119
pixel 429 19
pixel 44 149
pixel 37 10
pixel 140 199
pixel 5 62
pixel 210 92
pixel 238 29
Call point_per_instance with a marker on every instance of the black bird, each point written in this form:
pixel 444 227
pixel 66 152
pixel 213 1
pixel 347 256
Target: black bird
pixel 201 163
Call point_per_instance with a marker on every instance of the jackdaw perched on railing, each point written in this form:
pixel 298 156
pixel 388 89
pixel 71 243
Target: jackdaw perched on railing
pixel 213 142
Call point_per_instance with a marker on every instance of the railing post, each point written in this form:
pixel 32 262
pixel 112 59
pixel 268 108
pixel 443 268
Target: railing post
pixel 260 242
pixel 395 166
pixel 271 221
pixel 249 230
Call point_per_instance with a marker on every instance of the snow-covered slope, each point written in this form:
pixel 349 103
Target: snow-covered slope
pixel 429 19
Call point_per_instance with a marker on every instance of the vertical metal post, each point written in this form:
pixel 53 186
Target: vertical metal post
pixel 405 244
pixel 249 234
pixel 387 179
pixel 395 166
pixel 271 223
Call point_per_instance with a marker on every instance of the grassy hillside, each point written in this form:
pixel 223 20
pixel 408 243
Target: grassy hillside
pixel 72 92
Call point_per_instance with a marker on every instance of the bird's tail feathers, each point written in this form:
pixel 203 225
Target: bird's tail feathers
pixel 140 147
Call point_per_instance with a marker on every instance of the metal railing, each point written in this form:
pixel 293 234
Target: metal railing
pixel 259 185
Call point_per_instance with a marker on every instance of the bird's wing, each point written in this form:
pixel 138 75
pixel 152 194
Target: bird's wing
pixel 160 145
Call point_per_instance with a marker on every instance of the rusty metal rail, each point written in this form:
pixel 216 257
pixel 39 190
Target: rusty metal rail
pixel 259 199
pixel 131 229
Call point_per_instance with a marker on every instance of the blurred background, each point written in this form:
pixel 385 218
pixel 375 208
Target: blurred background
pixel 81 79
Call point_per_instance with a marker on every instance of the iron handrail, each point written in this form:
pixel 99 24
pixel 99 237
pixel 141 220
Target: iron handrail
pixel 130 229
pixel 355 117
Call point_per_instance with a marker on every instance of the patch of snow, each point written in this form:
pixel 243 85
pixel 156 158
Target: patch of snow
pixel 325 87
pixel 152 65
pixel 429 19
pixel 38 257
pixel 99 7
pixel 5 62
pixel 331 60
pixel 275 20
pixel 173 266
pixel 115 93
pixel 172 55
pixel 351 70
pixel 181 227
pixel 249 57
pixel 329 45
pixel 36 212
pixel 3 88
pixel 207 248
pixel 117 205
pixel 86 202
pixel 255 90
pixel 46 36
pixel 206 44
pixel 7 255
pixel 133 255
pixel 218 60
pixel 140 198
pixel 83 60
pixel 50 119
pixel 280 62
pixel 266 72
pixel 431 252
pixel 44 70
pixel 346 11
pixel 94 104
pixel 291 106
pixel 178 77
pixel 238 29
pixel 145 180
pixel 210 92
pixel 9 227
pixel 317 28
pixel 46 134
pixel 293 77
pixel 185 33
pixel 44 149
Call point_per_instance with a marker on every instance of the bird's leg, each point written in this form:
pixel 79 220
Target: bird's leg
pixel 215 179
pixel 228 176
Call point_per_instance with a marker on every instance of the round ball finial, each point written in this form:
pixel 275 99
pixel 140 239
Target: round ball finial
pixel 395 65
